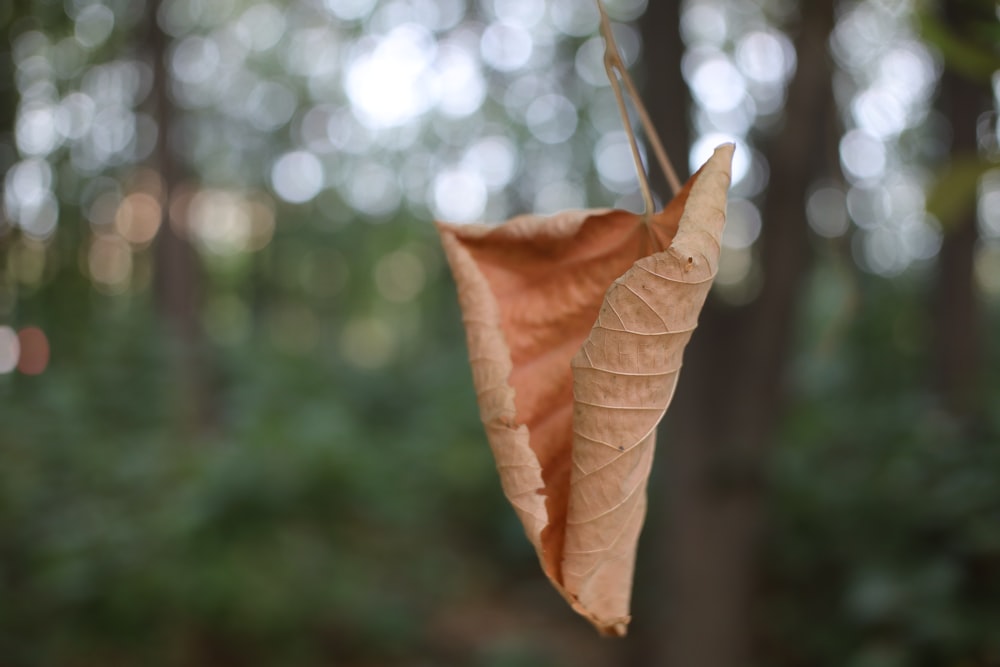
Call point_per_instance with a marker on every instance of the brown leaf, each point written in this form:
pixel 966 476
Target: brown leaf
pixel 576 325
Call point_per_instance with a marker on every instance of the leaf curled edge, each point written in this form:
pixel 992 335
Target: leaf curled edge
pixel 624 378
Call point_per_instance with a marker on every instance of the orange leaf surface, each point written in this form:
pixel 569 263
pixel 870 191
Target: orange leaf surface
pixel 576 325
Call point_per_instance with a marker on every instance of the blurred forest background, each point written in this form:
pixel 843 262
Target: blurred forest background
pixel 237 425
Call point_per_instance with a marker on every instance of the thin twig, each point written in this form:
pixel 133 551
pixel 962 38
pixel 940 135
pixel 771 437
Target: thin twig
pixel 613 63
pixel 640 170
pixel 652 135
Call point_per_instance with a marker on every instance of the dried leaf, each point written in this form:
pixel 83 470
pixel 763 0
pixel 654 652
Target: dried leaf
pixel 576 325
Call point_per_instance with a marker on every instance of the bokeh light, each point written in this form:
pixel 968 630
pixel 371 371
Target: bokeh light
pixel 716 83
pixel 138 218
pixel 36 131
pixel 391 81
pixel 459 196
pixel 350 10
pixel 28 261
pixel 495 159
pixel 615 166
pixel 988 208
pixel 93 24
pixel 704 23
pixel 34 351
pixel 297 177
pixel 261 26
pixel 225 222
pixel 10 349
pixel 826 210
pixel 589 63
pixel 368 342
pixel 890 76
pixel 505 46
pixel 766 57
pixel 551 119
pixel 109 262
pixel 558 196
pixel 369 108
pixel 373 189
pixel 573 18
pixel 743 224
pixel 459 80
pixel 400 276
pixel 862 156
pixel 987 267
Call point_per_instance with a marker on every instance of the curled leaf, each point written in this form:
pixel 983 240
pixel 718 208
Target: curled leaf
pixel 576 325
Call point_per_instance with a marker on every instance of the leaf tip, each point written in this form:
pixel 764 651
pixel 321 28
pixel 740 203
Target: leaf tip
pixel 727 149
pixel 616 629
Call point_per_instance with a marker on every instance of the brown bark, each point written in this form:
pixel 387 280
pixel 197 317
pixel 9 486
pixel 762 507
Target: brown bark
pixel 664 90
pixel 8 111
pixel 730 395
pixel 957 353
pixel 176 278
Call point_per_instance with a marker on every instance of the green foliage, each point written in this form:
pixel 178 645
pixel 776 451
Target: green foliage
pixel 335 515
pixel 952 194
pixel 970 45
pixel 322 518
pixel 885 539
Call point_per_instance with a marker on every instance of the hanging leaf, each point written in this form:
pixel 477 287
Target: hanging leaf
pixel 576 325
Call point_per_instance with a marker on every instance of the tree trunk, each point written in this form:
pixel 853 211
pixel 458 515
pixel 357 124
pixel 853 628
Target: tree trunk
pixel 730 396
pixel 664 91
pixel 8 112
pixel 957 351
pixel 176 280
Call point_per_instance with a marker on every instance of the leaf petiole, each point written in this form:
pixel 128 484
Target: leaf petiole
pixel 618 76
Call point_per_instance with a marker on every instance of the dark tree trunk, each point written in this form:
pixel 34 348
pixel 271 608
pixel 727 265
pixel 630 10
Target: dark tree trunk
pixel 176 280
pixel 8 111
pixel 730 395
pixel 664 91
pixel 957 351
pixel 668 100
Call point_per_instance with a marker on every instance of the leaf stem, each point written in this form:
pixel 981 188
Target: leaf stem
pixel 617 76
